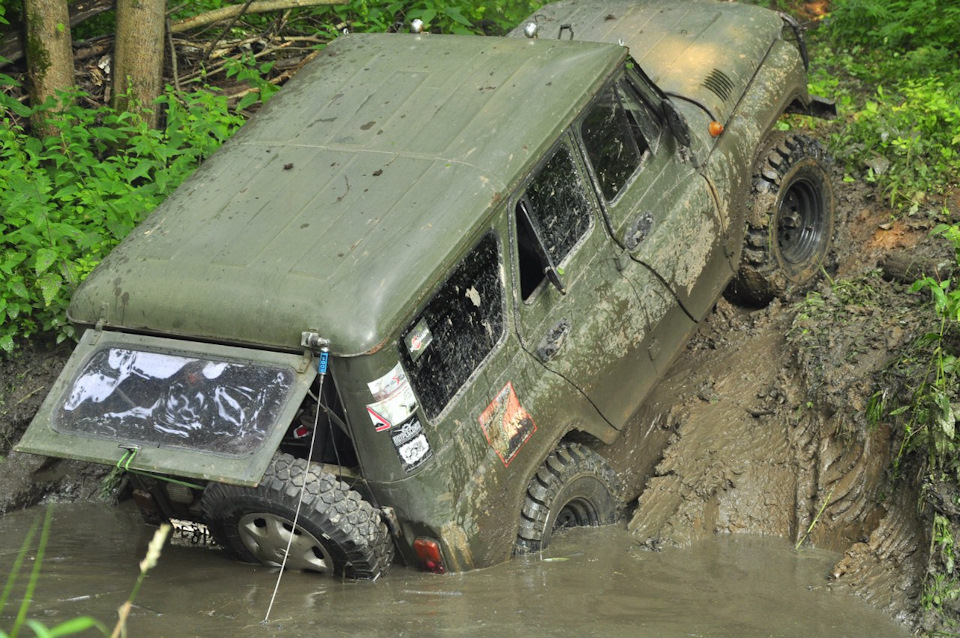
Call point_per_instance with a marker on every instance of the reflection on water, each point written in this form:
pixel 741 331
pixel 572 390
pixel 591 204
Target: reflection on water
pixel 590 583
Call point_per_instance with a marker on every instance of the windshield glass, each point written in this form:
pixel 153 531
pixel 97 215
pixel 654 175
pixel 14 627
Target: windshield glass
pixel 224 406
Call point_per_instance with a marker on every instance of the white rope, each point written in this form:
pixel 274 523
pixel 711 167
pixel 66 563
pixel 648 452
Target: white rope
pixel 303 487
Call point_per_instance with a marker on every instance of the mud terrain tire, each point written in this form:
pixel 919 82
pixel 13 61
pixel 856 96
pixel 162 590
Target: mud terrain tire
pixel 574 487
pixel 789 237
pixel 337 532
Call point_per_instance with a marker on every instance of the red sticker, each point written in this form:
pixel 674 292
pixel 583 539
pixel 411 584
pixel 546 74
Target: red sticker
pixel 506 424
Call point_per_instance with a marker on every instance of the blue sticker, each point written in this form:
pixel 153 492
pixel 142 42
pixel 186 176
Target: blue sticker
pixel 322 363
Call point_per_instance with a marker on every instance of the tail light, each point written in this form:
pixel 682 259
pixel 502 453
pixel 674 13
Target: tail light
pixel 428 551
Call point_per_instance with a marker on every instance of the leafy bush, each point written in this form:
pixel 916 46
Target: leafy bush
pixel 892 66
pixel 897 26
pixel 440 16
pixel 66 199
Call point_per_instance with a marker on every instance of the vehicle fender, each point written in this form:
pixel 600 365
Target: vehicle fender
pixel 780 84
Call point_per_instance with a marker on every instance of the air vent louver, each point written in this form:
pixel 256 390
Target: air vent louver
pixel 719 83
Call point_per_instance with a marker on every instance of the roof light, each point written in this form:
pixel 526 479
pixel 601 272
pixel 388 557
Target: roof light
pixel 428 551
pixel 416 26
pixel 531 30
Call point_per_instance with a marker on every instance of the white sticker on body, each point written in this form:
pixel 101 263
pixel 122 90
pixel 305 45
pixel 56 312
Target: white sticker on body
pixel 395 401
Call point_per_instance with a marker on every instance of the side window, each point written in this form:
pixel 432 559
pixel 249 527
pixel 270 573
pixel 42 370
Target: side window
pixel 452 336
pixel 552 216
pixel 617 131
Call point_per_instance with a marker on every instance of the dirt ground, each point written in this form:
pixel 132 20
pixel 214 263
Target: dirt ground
pixel 764 413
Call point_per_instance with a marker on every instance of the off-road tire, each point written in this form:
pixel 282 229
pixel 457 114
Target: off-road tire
pixel 337 532
pixel 574 487
pixel 789 240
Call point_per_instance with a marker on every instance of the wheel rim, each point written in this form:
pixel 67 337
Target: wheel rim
pixel 800 222
pixel 577 513
pixel 267 535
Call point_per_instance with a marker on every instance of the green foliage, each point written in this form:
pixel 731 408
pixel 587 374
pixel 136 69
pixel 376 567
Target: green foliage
pixel 439 16
pixel 941 586
pixel 67 198
pixel 247 70
pixel 892 67
pixel 897 25
pixel 929 417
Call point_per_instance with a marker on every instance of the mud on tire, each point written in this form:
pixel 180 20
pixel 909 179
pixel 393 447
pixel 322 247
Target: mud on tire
pixel 337 532
pixel 789 239
pixel 574 487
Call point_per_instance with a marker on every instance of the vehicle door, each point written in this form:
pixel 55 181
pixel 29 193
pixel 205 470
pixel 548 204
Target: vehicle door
pixel 658 206
pixel 577 315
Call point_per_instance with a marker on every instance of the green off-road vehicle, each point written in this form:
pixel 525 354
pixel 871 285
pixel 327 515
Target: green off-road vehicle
pixel 422 292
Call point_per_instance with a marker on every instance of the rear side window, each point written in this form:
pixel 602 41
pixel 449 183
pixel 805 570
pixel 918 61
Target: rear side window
pixel 460 326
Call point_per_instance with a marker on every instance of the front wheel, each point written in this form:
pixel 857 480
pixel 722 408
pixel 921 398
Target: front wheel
pixel 574 487
pixel 789 240
pixel 337 531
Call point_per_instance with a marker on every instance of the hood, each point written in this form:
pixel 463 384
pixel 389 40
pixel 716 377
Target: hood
pixel 703 51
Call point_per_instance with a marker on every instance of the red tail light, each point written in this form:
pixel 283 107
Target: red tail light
pixel 428 551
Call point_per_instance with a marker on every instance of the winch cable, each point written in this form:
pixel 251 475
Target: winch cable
pixel 322 370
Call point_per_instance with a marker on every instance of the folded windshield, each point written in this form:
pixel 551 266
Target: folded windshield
pixel 224 406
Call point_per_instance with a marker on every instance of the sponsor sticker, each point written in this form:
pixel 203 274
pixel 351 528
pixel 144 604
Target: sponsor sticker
pixel 411 443
pixel 506 424
pixel 418 339
pixel 394 401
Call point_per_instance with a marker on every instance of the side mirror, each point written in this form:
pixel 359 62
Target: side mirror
pixel 676 123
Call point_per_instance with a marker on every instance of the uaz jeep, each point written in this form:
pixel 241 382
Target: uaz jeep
pixel 490 248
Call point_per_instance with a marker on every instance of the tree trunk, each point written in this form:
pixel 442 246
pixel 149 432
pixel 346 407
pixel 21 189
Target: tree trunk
pixel 49 50
pixel 138 55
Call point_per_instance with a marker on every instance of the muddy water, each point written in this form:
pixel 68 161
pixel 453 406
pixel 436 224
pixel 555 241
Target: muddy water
pixel 590 583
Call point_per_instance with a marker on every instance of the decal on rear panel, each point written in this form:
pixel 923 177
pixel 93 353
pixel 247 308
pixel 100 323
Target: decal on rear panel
pixel 394 399
pixel 411 443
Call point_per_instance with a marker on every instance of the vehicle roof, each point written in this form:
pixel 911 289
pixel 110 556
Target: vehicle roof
pixel 350 194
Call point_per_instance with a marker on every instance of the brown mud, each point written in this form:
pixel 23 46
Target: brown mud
pixel 26 479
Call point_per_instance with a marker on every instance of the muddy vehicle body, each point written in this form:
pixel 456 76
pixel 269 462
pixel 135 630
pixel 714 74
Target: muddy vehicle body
pixel 446 270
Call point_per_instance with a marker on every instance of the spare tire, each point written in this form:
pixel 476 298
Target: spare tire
pixel 337 532
pixel 574 487
pixel 789 239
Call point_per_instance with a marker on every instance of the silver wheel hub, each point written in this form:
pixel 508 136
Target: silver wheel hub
pixel 267 535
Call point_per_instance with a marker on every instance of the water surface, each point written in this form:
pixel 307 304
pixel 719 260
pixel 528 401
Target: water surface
pixel 595 582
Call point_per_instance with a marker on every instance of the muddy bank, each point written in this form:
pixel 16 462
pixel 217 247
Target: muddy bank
pixel 771 428
pixel 25 479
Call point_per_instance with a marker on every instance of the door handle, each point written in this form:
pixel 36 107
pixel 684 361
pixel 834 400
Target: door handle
pixel 551 343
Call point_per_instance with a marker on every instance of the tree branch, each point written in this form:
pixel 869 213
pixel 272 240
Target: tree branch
pixel 226 13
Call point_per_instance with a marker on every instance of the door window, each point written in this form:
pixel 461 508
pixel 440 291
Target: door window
pixel 552 217
pixel 618 133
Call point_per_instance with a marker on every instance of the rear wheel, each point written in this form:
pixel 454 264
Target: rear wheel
pixel 337 531
pixel 789 242
pixel 573 488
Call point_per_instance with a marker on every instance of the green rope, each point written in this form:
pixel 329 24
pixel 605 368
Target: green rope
pixel 124 466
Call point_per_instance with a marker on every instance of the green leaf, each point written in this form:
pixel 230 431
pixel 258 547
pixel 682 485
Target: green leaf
pixel 75 626
pixel 6 343
pixel 50 284
pixel 19 289
pixel 46 257
pixel 248 99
